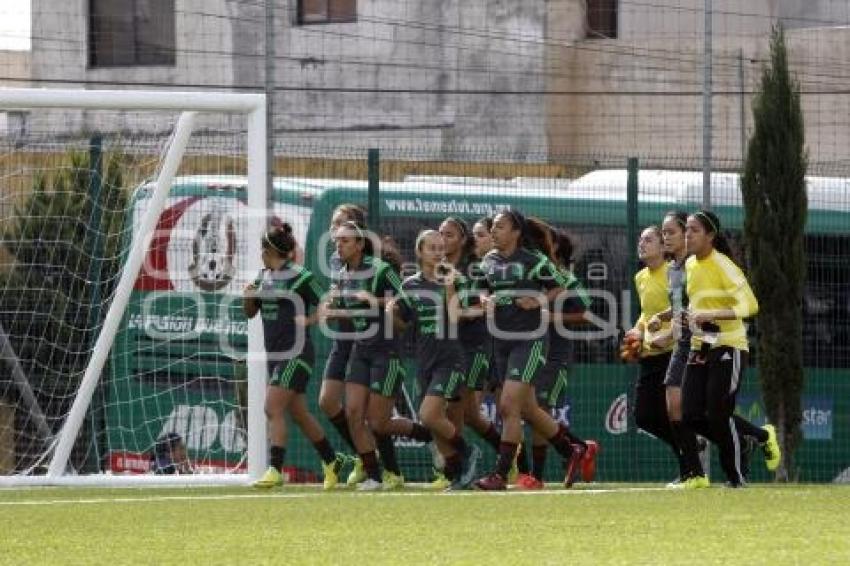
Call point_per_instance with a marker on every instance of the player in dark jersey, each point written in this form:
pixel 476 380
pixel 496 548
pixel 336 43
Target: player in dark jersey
pixel 333 379
pixel 476 342
pixel 433 292
pixel 568 309
pixel 517 283
pixel 375 371
pixel 283 294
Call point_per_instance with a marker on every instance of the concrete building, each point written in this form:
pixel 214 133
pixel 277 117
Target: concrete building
pixel 471 79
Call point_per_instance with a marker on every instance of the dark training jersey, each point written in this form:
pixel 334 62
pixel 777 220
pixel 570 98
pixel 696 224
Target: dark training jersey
pixel 284 293
pixel 377 277
pixel 576 301
pixel 473 331
pixel 524 273
pixel 428 310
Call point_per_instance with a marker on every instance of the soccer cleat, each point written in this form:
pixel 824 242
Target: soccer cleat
pixel 696 482
pixel 331 472
pixel 369 485
pixel 358 473
pixel 527 482
pixel 492 482
pixel 588 461
pixel 573 464
pixel 677 483
pixel 272 478
pixel 440 482
pixel 772 452
pixel 392 481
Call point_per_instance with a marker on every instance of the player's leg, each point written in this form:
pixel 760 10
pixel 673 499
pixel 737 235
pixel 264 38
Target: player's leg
pixel 332 390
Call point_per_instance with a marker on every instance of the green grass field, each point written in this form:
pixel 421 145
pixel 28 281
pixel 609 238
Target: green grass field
pixel 602 524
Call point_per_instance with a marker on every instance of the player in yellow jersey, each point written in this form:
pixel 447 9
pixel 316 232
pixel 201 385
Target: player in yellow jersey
pixel 720 298
pixel 656 344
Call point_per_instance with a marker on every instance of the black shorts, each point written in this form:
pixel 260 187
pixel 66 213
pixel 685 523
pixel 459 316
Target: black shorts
pixel 376 367
pixel 291 374
pixel 442 380
pixel 520 360
pixel 335 367
pixel 551 386
pixel 477 367
pixel 678 362
pixel 650 393
pixel 711 382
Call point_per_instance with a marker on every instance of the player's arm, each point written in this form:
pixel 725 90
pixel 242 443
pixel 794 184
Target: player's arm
pixel 250 301
pixel 310 292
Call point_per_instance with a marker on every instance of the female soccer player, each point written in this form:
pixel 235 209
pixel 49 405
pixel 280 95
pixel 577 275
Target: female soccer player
pixel 656 343
pixel 375 371
pixel 333 384
pixel 283 295
pixel 520 283
pixel 475 340
pixel 720 298
pixel 433 292
pixel 567 310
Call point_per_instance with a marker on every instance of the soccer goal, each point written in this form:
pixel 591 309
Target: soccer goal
pixel 130 223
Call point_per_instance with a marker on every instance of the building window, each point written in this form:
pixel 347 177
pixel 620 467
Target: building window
pixel 131 33
pixel 326 11
pixel 601 19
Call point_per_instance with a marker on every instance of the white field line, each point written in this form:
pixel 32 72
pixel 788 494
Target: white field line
pixel 318 493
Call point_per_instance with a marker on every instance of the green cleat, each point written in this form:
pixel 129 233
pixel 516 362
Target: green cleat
pixel 331 472
pixel 392 481
pixel 272 478
pixel 440 482
pixel 357 475
pixel 696 482
pixel 772 452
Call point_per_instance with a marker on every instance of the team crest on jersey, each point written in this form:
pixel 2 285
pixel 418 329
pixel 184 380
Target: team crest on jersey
pixel 213 250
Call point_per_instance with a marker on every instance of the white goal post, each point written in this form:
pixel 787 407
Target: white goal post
pixel 187 104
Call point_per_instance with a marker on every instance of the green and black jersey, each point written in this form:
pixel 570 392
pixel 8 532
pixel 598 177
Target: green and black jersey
pixel 428 310
pixel 576 300
pixel 284 293
pixel 378 278
pixel 524 273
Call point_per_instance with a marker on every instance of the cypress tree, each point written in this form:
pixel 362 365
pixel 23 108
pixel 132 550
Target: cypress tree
pixel 775 203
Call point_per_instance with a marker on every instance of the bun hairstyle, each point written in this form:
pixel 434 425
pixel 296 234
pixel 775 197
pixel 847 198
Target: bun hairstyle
pixel 280 239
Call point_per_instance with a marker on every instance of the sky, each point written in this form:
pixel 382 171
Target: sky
pixel 15 24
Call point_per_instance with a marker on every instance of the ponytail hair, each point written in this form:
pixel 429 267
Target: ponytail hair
pixel 280 239
pixel 565 247
pixel 538 235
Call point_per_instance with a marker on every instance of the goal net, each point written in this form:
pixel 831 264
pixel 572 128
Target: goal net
pixel 122 262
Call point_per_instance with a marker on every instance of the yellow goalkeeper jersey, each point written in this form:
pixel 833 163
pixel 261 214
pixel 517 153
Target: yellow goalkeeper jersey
pixel 715 283
pixel 651 285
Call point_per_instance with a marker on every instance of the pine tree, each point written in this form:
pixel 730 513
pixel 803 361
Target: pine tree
pixel 774 190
